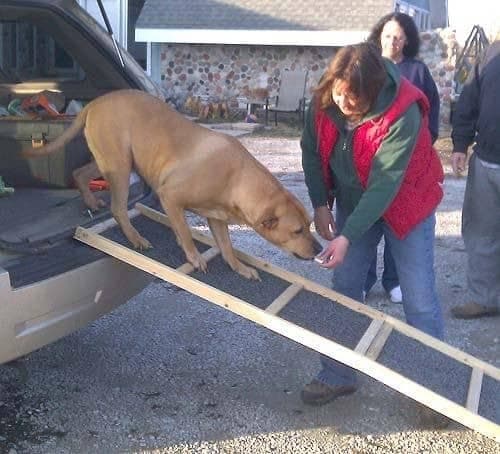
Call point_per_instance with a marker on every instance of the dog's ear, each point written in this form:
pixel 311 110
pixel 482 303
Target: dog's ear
pixel 270 222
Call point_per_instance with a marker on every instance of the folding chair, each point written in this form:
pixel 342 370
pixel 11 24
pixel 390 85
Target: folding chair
pixel 291 95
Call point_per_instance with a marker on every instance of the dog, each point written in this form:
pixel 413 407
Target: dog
pixel 189 167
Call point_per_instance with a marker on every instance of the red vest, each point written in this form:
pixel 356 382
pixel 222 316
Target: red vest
pixel 420 191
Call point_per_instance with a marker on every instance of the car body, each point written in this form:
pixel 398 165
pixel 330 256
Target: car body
pixel 50 284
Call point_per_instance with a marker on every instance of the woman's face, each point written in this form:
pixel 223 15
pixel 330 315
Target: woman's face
pixel 347 102
pixel 392 41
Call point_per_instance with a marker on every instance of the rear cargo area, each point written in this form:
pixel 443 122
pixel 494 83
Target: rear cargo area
pixel 37 227
pixel 40 206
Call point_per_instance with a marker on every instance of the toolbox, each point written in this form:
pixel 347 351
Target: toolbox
pixel 19 133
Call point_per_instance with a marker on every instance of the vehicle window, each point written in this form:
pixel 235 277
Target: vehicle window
pixel 28 53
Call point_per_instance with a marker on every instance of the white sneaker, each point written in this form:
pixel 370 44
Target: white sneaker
pixel 395 295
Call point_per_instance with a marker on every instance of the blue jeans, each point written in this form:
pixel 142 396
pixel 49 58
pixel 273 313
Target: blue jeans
pixel 414 260
pixel 390 278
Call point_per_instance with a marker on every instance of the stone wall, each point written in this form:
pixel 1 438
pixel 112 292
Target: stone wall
pixel 230 72
pixel 439 50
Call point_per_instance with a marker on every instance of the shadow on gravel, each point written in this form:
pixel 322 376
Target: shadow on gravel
pixel 19 417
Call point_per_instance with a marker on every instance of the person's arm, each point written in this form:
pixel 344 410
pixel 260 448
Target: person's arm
pixel 464 122
pixel 465 115
pixel 387 173
pixel 432 94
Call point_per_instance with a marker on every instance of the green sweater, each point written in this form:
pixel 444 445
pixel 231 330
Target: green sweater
pixel 362 207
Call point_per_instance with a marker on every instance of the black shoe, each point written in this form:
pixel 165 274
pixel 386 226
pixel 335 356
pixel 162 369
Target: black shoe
pixel 317 393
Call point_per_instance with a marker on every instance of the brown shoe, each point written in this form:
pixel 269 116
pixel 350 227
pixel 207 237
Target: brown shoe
pixel 317 393
pixel 473 310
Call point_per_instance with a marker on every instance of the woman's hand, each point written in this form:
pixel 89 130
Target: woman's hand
pixel 324 223
pixel 334 253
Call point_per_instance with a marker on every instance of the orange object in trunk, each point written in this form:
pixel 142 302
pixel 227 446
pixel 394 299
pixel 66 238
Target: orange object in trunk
pixel 98 185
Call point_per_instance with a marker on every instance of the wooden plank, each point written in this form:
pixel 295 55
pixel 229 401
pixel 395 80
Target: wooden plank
pixel 111 222
pixel 367 338
pixel 474 393
pixel 209 254
pixel 282 300
pixel 301 335
pixel 378 343
pixel 356 306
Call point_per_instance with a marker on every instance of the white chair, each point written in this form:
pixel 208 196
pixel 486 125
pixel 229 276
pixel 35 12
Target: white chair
pixel 291 95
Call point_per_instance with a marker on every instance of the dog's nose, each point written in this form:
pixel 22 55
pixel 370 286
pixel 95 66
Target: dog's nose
pixel 297 256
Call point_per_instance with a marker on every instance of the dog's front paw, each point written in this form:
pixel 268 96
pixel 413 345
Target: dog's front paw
pixel 141 243
pixel 247 272
pixel 197 261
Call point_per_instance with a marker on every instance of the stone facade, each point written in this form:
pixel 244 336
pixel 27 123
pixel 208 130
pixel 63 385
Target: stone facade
pixel 231 72
pixel 439 50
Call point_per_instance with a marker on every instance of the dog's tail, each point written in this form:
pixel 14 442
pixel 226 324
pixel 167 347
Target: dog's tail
pixel 60 141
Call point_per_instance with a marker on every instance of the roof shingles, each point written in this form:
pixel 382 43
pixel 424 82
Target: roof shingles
pixel 321 15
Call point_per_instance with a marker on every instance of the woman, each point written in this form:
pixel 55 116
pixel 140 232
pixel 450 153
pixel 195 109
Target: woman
pixel 397 37
pixel 367 144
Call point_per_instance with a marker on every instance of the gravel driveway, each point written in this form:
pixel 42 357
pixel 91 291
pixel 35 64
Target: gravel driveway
pixel 171 373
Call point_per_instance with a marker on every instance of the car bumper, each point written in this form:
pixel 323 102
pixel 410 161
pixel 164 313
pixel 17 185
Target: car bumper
pixel 36 315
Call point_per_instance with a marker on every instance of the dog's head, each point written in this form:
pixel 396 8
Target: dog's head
pixel 286 224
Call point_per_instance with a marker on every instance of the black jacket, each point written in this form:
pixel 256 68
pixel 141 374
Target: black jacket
pixel 477 114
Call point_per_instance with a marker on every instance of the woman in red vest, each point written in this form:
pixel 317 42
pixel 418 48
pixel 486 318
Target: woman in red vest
pixel 367 146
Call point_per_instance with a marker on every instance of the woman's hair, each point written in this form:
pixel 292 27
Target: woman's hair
pixel 361 67
pixel 412 45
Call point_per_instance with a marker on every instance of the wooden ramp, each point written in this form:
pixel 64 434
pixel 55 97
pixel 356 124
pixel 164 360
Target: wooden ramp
pixel 431 372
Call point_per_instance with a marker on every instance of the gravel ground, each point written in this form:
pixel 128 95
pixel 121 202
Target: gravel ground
pixel 170 373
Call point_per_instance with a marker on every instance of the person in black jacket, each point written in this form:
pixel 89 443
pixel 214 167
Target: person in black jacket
pixel 477 120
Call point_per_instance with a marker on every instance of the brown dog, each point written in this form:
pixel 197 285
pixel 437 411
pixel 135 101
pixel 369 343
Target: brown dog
pixel 189 167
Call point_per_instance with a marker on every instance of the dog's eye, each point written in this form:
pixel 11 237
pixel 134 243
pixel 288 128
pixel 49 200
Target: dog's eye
pixel 299 231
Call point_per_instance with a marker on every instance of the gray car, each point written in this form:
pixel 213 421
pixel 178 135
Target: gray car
pixel 54 58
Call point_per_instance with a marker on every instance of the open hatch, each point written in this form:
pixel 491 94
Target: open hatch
pixel 53 60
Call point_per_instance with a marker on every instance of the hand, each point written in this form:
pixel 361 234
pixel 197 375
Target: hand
pixel 324 223
pixel 334 253
pixel 458 161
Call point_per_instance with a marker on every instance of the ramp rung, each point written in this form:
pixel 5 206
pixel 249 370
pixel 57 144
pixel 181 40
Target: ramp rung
pixel 369 336
pixel 208 255
pixel 282 300
pixel 474 392
pixel 376 347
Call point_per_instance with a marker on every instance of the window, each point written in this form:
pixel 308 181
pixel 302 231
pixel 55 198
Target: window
pixel 27 52
pixel 420 16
